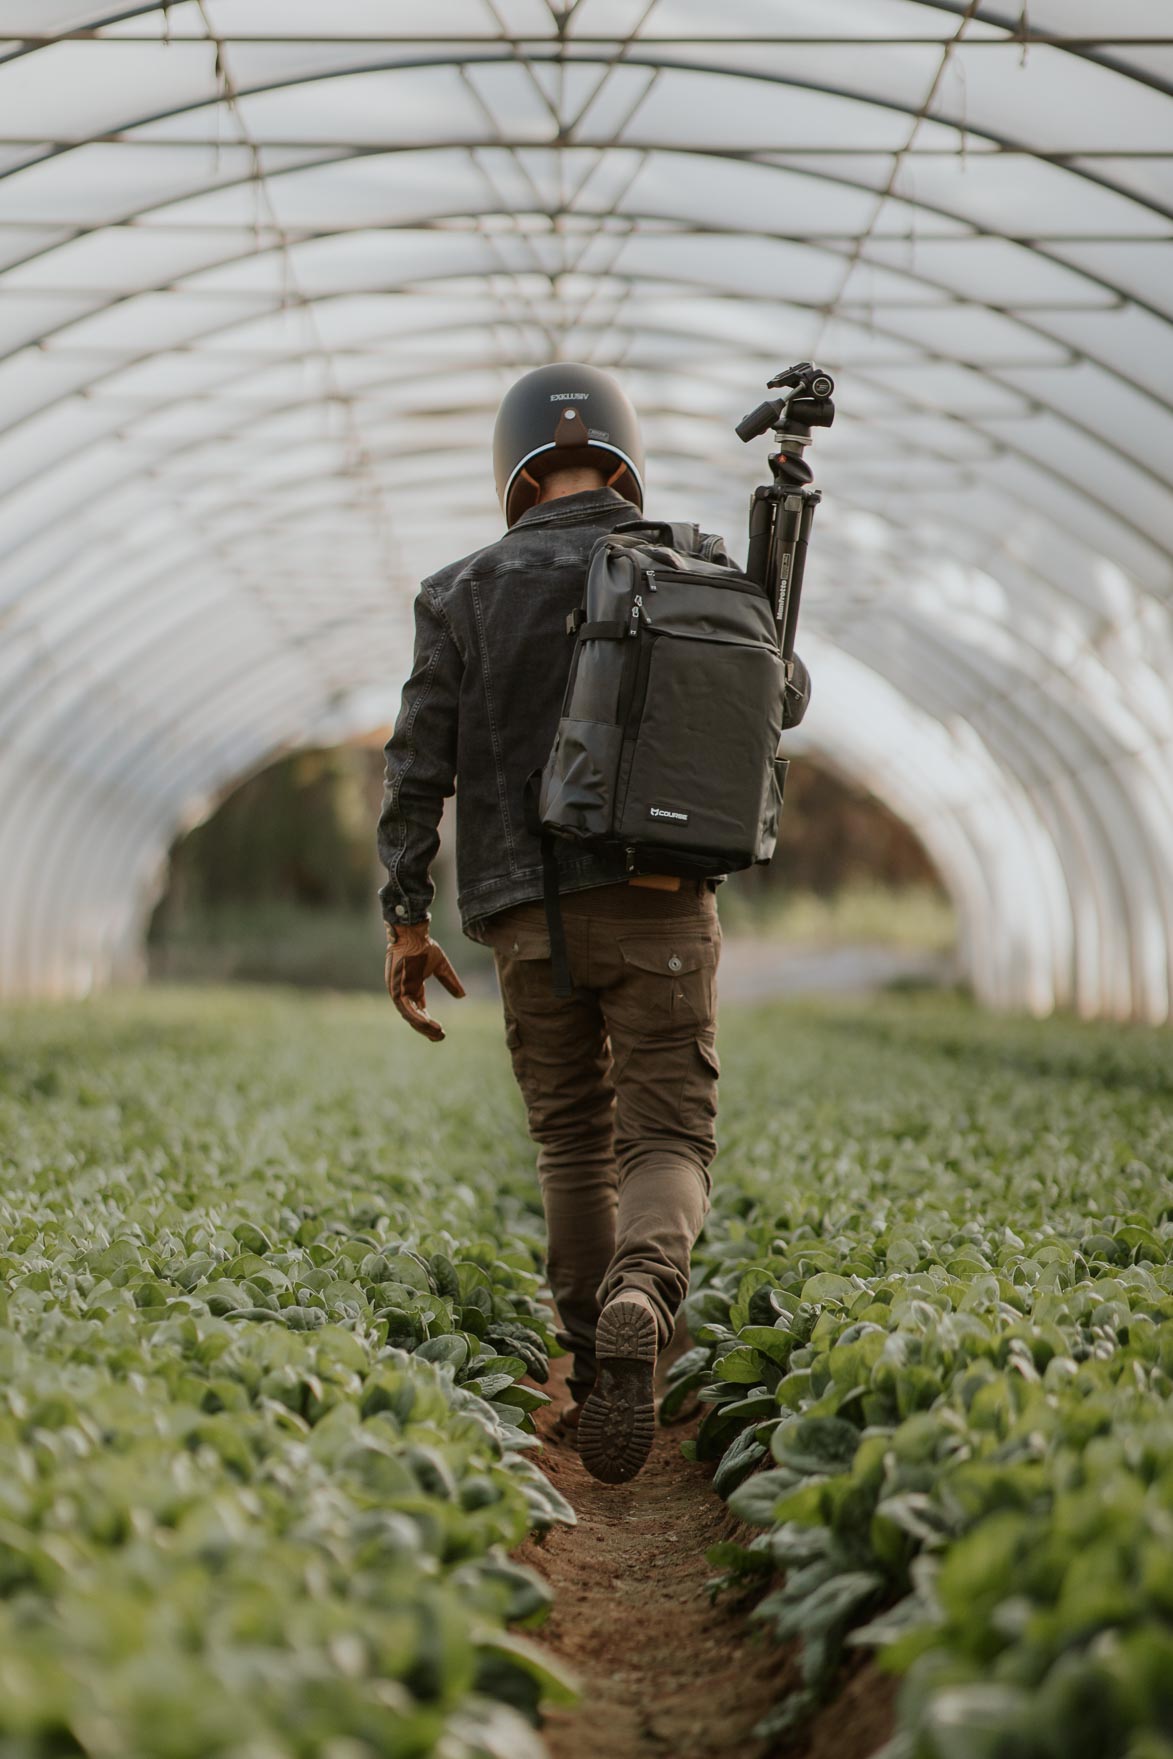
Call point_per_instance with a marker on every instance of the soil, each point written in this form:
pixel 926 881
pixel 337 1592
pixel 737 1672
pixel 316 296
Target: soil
pixel 663 1671
pixel 859 1720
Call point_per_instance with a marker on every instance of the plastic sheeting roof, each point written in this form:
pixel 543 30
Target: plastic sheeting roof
pixel 266 269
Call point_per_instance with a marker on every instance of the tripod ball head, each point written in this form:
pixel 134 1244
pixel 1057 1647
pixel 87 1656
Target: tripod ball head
pixel 807 402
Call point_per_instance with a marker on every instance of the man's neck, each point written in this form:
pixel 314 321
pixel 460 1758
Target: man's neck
pixel 573 481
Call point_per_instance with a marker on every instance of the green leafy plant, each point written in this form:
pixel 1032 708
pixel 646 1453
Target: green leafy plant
pixel 270 1324
pixel 933 1313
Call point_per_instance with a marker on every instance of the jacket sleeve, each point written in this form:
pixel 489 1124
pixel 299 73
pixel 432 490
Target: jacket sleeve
pixel 797 697
pixel 420 768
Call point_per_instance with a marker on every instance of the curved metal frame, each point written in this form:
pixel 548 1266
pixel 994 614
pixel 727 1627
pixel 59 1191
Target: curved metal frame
pixel 1100 858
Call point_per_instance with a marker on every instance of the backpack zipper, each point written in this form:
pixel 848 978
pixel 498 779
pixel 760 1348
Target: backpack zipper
pixel 634 707
pixel 717 581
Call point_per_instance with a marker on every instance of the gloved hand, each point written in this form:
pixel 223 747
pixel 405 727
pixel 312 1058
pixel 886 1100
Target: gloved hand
pixel 413 957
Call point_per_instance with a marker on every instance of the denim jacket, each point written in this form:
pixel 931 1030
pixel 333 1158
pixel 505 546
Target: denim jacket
pixel 491 661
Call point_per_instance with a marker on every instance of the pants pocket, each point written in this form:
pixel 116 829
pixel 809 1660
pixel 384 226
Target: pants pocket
pixel 671 976
pixel 699 1100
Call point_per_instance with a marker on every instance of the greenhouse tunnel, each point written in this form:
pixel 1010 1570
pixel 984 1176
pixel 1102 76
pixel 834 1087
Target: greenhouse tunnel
pixel 265 271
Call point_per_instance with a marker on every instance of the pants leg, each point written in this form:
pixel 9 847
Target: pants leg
pixel 659 1004
pixel 620 1085
pixel 562 1063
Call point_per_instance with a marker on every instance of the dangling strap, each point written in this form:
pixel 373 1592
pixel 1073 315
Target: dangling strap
pixel 559 960
pixel 560 963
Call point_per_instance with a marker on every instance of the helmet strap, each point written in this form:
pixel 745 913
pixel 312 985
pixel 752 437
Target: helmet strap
pixel 523 478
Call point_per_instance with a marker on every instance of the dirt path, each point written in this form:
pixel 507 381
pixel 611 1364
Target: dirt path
pixel 663 1672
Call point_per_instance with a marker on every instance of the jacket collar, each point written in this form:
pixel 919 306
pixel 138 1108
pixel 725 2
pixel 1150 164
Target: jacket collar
pixel 572 508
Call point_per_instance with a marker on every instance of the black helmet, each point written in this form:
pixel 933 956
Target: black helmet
pixel 558 417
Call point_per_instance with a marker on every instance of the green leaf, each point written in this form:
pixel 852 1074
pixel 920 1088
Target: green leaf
pixel 450 1350
pixel 773 1342
pixel 815 1444
pixel 983 1720
pixel 754 1501
pixel 556 1684
pixel 742 1365
pixel 725 1421
pixel 827 1286
pixel 739 1458
pixel 252 1238
pixel 525 1398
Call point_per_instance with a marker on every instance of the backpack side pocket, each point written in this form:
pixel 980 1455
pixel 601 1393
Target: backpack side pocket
pixel 577 797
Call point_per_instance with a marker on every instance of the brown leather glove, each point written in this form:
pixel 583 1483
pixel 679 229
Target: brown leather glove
pixel 413 957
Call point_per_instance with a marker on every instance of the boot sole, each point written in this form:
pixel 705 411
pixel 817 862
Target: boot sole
pixel 618 1420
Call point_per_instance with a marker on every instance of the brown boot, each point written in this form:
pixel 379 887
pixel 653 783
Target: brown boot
pixel 619 1418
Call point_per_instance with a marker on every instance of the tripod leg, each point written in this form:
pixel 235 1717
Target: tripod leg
pixel 762 514
pixel 797 570
pixel 783 552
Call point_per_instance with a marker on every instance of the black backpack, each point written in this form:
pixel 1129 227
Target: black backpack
pixel 667 745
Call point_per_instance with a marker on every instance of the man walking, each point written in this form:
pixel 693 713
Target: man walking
pixel 620 1077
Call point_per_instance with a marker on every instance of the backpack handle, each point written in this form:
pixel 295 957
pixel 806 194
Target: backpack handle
pixel 682 537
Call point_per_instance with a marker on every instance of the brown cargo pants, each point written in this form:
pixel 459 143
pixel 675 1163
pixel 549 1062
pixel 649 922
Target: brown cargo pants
pixel 620 1085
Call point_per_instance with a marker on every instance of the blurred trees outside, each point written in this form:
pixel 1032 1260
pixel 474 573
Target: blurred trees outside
pixel 299 832
pixel 846 870
pixel 280 883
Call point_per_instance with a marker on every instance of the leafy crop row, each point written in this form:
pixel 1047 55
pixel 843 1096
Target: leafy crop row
pixel 933 1323
pixel 266 1306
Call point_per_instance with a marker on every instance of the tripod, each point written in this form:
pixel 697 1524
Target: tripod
pixel 782 511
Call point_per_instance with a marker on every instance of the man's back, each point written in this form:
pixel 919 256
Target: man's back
pixel 482 704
